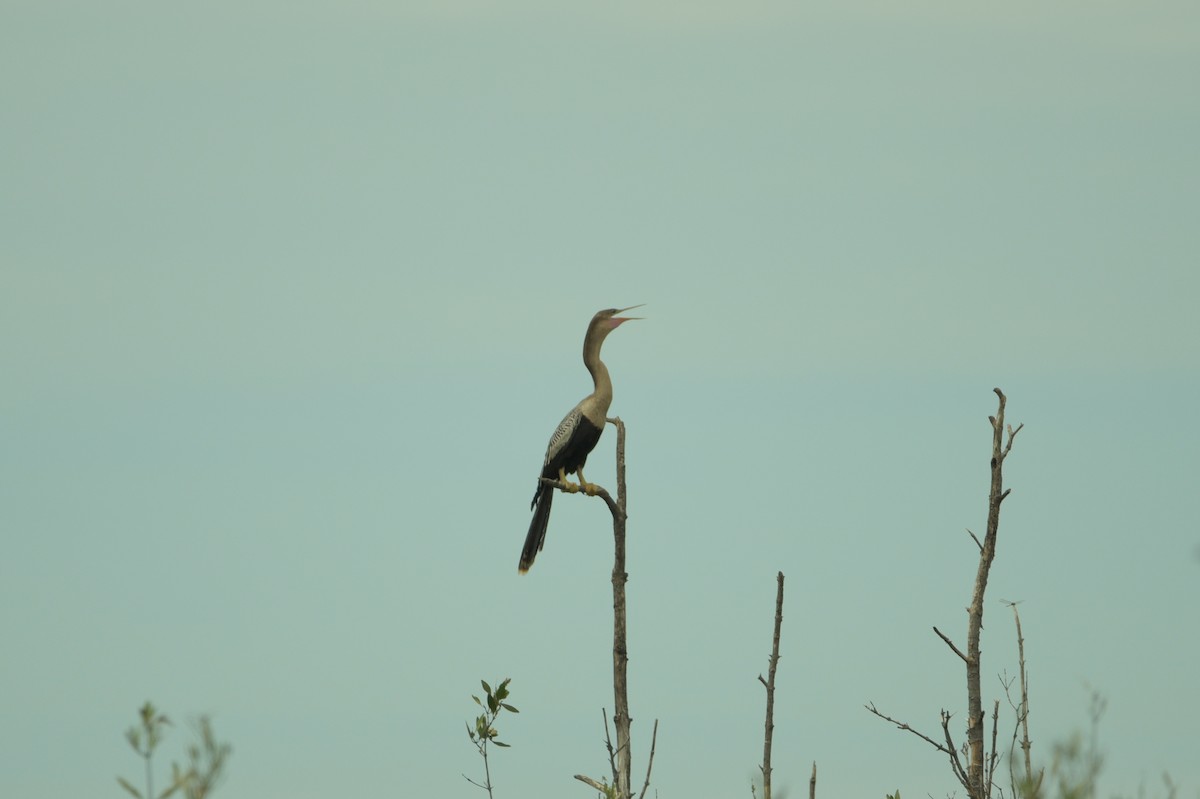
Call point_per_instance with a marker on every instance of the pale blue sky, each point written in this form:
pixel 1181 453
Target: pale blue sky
pixel 292 296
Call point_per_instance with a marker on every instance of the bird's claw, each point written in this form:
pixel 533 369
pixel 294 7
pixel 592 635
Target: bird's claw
pixel 591 489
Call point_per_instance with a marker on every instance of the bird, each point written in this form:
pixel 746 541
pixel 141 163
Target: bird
pixel 576 435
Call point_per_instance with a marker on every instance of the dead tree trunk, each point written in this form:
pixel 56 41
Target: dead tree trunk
pixel 621 718
pixel 620 758
pixel 978 788
pixel 976 776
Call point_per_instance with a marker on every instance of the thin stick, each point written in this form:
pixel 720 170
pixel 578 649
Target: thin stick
pixel 599 786
pixel 650 764
pixel 955 763
pixel 1025 743
pixel 1023 711
pixel 993 757
pixel 977 541
pixel 950 644
pixel 612 760
pixel 769 684
pixel 903 726
pixel 812 783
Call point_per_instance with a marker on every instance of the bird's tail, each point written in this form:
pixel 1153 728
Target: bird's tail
pixel 537 528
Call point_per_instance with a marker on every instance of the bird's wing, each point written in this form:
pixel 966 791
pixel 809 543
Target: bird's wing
pixel 563 434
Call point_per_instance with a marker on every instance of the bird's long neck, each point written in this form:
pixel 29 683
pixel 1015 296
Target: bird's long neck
pixel 602 390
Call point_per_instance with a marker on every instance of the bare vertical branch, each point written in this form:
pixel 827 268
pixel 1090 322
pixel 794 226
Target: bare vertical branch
pixel 976 786
pixel 1024 712
pixel 976 776
pixel 650 763
pixel 1031 785
pixel 621 718
pixel 612 753
pixel 812 783
pixel 769 684
pixel 994 756
pixel 620 758
pixel 955 761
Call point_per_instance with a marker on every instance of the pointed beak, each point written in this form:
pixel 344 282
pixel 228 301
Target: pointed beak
pixel 619 319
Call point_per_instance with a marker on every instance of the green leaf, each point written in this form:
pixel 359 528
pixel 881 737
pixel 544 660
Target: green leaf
pixel 498 743
pixel 509 708
pixel 129 787
pixel 493 704
pixel 477 700
pixel 486 687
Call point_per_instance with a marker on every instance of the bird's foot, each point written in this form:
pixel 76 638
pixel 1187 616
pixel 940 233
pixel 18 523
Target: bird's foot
pixel 591 489
pixel 568 486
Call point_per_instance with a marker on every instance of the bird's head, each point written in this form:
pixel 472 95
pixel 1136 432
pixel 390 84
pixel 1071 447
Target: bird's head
pixel 603 323
pixel 608 320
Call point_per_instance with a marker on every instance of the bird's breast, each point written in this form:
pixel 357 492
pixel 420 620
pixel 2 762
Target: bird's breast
pixel 595 409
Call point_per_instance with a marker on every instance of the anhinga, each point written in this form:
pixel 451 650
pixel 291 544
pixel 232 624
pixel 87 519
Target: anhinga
pixel 576 435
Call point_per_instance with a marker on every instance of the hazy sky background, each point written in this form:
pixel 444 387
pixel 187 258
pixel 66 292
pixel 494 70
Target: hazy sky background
pixel 292 296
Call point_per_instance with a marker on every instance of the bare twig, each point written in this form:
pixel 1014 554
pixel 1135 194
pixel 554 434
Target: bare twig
pixel 769 684
pixel 950 644
pixel 1025 742
pixel 977 541
pixel 599 786
pixel 993 757
pixel 1032 785
pixel 955 762
pixel 612 760
pixel 1011 434
pixel 476 784
pixel 1006 682
pixel 812 783
pixel 612 757
pixel 650 763
pixel 903 726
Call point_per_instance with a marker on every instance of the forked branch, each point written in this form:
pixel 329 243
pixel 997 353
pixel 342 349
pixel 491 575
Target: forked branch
pixel 955 763
pixel 977 774
pixel 979 783
pixel 900 725
pixel 620 756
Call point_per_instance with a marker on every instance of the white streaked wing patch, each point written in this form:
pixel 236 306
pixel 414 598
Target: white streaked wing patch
pixel 563 433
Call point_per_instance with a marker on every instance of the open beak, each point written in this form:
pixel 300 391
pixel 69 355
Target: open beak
pixel 619 319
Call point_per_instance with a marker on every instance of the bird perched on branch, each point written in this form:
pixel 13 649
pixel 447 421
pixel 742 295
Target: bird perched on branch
pixel 576 435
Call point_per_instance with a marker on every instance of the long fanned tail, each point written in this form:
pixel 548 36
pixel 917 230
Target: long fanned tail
pixel 537 528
